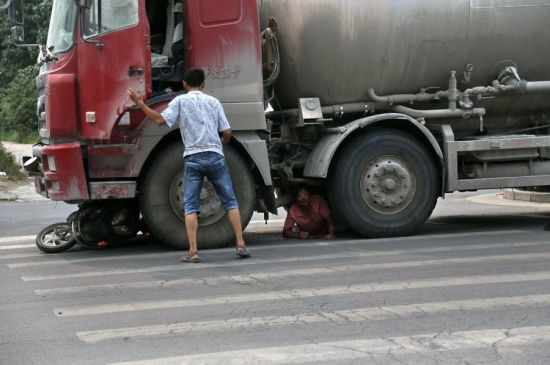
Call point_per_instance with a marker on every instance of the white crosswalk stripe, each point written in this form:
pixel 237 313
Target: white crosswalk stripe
pixel 336 255
pixel 21 255
pixel 280 274
pixel 343 316
pixel 364 348
pixel 54 262
pixel 16 239
pixel 17 247
pixel 11 241
pixel 300 293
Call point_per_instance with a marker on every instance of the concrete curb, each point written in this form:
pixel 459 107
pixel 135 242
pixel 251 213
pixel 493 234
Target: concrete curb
pixel 7 197
pixel 527 196
pixel 499 200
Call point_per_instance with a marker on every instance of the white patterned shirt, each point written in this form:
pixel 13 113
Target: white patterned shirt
pixel 201 118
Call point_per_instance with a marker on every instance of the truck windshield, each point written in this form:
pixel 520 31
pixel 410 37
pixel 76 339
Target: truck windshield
pixel 62 25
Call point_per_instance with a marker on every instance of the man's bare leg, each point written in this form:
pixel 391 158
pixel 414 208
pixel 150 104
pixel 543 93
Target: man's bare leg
pixel 234 216
pixel 191 227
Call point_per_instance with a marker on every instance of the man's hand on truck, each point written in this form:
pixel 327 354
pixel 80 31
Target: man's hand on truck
pixel 138 98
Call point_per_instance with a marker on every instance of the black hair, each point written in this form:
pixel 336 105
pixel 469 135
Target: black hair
pixel 296 189
pixel 194 77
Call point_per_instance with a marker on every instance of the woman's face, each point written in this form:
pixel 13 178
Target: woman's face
pixel 303 198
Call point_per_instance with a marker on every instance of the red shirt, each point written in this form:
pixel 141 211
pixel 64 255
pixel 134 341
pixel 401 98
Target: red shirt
pixel 314 221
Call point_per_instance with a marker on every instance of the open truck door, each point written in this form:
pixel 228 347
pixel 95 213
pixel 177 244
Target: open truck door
pixel 114 55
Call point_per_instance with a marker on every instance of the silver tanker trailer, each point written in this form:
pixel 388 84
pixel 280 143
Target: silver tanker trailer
pixel 395 102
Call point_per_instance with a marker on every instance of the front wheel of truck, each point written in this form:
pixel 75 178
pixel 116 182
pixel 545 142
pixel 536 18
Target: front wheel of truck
pixel 161 199
pixel 384 183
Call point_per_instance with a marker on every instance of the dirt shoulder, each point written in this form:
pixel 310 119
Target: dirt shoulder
pixel 22 190
pixel 18 191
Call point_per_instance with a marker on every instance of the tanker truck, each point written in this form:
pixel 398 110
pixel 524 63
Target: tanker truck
pixel 385 106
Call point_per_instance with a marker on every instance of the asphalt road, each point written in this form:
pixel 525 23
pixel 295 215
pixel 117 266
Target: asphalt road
pixel 472 287
pixel 18 219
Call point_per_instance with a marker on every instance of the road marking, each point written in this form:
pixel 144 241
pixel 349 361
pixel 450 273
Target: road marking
pixel 261 222
pixel 16 247
pixel 17 239
pixel 53 262
pixel 69 261
pixel 22 255
pixel 293 294
pixel 119 286
pixel 303 244
pixel 339 255
pixel 500 340
pixel 342 316
pixel 281 274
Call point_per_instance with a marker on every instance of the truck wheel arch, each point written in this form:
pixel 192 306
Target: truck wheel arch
pixel 320 160
pixel 254 150
pixel 250 146
pixel 149 149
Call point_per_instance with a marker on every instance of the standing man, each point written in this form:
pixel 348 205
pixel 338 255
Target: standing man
pixel 308 216
pixel 201 119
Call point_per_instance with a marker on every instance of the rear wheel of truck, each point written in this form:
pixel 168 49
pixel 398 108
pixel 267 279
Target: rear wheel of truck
pixel 161 200
pixel 384 183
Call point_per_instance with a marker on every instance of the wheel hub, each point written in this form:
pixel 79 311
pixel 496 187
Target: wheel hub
pixel 388 184
pixel 58 235
pixel 210 205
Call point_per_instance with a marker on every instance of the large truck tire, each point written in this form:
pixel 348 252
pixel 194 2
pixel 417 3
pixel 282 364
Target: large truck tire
pixel 384 183
pixel 161 200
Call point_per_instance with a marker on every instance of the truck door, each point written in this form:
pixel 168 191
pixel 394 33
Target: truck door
pixel 223 37
pixel 113 55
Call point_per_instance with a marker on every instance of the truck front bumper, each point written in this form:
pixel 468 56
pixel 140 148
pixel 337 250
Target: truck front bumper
pixel 62 176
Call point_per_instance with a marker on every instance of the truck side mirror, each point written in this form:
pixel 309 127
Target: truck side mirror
pixel 18 34
pixel 86 4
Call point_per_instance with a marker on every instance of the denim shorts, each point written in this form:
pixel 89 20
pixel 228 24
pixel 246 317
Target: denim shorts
pixel 212 166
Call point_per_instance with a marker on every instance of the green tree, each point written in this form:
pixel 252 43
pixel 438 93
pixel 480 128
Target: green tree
pixel 17 71
pixel 18 107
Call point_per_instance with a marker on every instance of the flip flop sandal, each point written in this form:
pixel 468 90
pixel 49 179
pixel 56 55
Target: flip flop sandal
pixel 192 260
pixel 242 253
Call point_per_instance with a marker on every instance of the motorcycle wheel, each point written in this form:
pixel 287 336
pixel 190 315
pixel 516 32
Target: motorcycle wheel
pixel 55 238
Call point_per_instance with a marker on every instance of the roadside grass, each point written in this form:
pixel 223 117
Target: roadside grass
pixel 19 137
pixel 9 166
